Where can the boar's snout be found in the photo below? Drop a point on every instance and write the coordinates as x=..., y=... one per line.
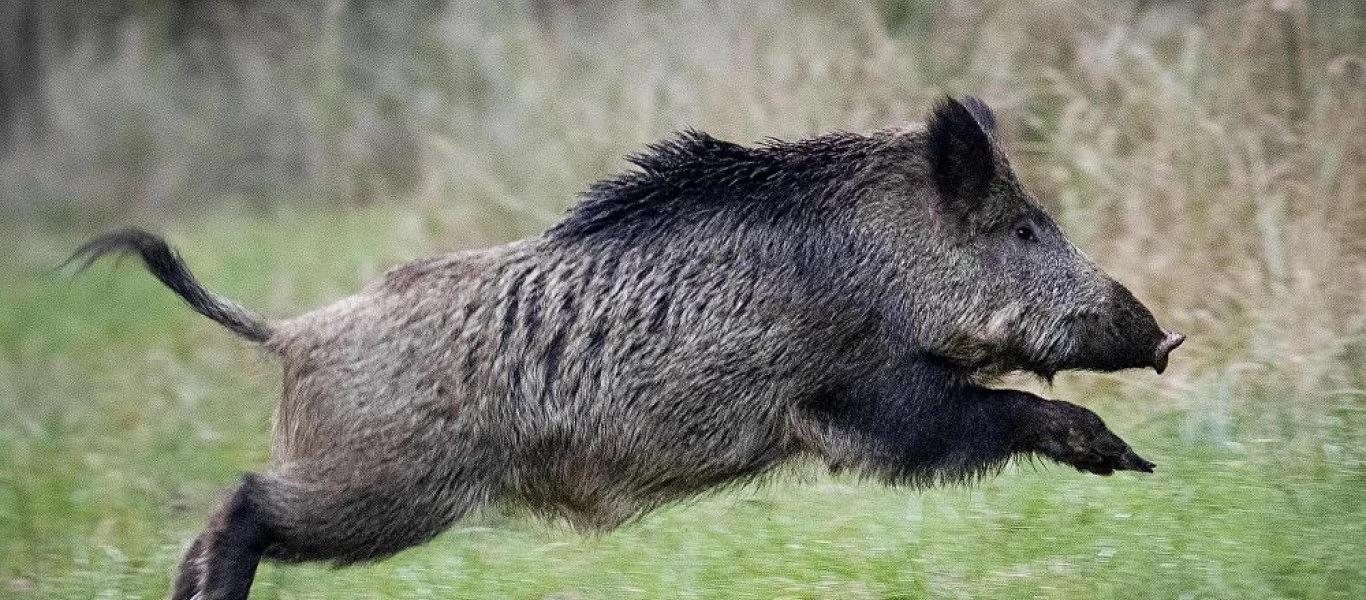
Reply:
x=1150, y=345
x=1147, y=343
x=1169, y=342
x=1122, y=335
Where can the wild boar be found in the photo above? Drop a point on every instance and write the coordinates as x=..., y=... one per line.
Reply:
x=691, y=323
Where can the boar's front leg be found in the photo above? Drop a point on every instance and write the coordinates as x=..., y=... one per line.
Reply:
x=922, y=426
x=1074, y=435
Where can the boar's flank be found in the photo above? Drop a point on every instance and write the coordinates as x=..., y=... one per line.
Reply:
x=691, y=323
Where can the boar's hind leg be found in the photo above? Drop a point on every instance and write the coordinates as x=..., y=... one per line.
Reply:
x=279, y=518
x=221, y=562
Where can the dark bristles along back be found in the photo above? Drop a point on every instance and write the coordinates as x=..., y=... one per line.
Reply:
x=693, y=177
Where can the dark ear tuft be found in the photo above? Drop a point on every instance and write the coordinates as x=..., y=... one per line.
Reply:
x=960, y=148
x=982, y=113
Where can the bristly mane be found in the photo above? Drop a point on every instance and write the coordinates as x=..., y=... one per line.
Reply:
x=693, y=177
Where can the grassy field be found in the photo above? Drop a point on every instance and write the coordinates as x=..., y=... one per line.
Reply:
x=1210, y=154
x=126, y=415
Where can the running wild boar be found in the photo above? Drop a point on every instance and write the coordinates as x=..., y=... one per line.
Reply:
x=695, y=322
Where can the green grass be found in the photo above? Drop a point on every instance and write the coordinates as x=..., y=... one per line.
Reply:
x=123, y=416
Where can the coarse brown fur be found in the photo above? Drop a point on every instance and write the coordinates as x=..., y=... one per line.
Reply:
x=696, y=322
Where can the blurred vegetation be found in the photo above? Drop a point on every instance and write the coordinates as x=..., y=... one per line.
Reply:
x=1211, y=154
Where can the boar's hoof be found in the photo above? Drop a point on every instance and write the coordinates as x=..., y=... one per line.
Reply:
x=1131, y=461
x=1076, y=436
x=1106, y=464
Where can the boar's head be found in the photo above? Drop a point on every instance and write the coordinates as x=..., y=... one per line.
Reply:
x=985, y=278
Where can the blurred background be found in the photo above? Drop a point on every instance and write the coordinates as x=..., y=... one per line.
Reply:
x=1210, y=154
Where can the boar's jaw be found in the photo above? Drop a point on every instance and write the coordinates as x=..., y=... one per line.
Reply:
x=1044, y=345
x=1141, y=356
x=1013, y=339
x=1129, y=339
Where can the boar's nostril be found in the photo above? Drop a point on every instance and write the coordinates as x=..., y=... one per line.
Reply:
x=1164, y=348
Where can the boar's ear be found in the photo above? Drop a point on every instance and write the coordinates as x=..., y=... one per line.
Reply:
x=961, y=156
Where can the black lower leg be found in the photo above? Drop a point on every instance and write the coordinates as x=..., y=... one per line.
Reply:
x=916, y=425
x=230, y=548
x=191, y=571
x=976, y=428
x=920, y=424
x=1075, y=436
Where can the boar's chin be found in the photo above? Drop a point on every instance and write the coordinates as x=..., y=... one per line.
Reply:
x=1122, y=336
x=1120, y=355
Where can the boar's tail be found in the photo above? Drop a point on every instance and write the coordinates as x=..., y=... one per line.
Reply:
x=167, y=266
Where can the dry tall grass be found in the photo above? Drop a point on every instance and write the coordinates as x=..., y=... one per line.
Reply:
x=1211, y=154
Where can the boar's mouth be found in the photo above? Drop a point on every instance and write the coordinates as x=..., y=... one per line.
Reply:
x=1091, y=342
x=1123, y=334
x=1127, y=337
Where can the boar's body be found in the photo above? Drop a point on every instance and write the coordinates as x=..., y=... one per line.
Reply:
x=593, y=373
x=692, y=323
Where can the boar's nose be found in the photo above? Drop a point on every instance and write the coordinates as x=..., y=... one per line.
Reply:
x=1165, y=347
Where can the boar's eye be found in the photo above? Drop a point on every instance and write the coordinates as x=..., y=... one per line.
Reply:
x=1025, y=233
